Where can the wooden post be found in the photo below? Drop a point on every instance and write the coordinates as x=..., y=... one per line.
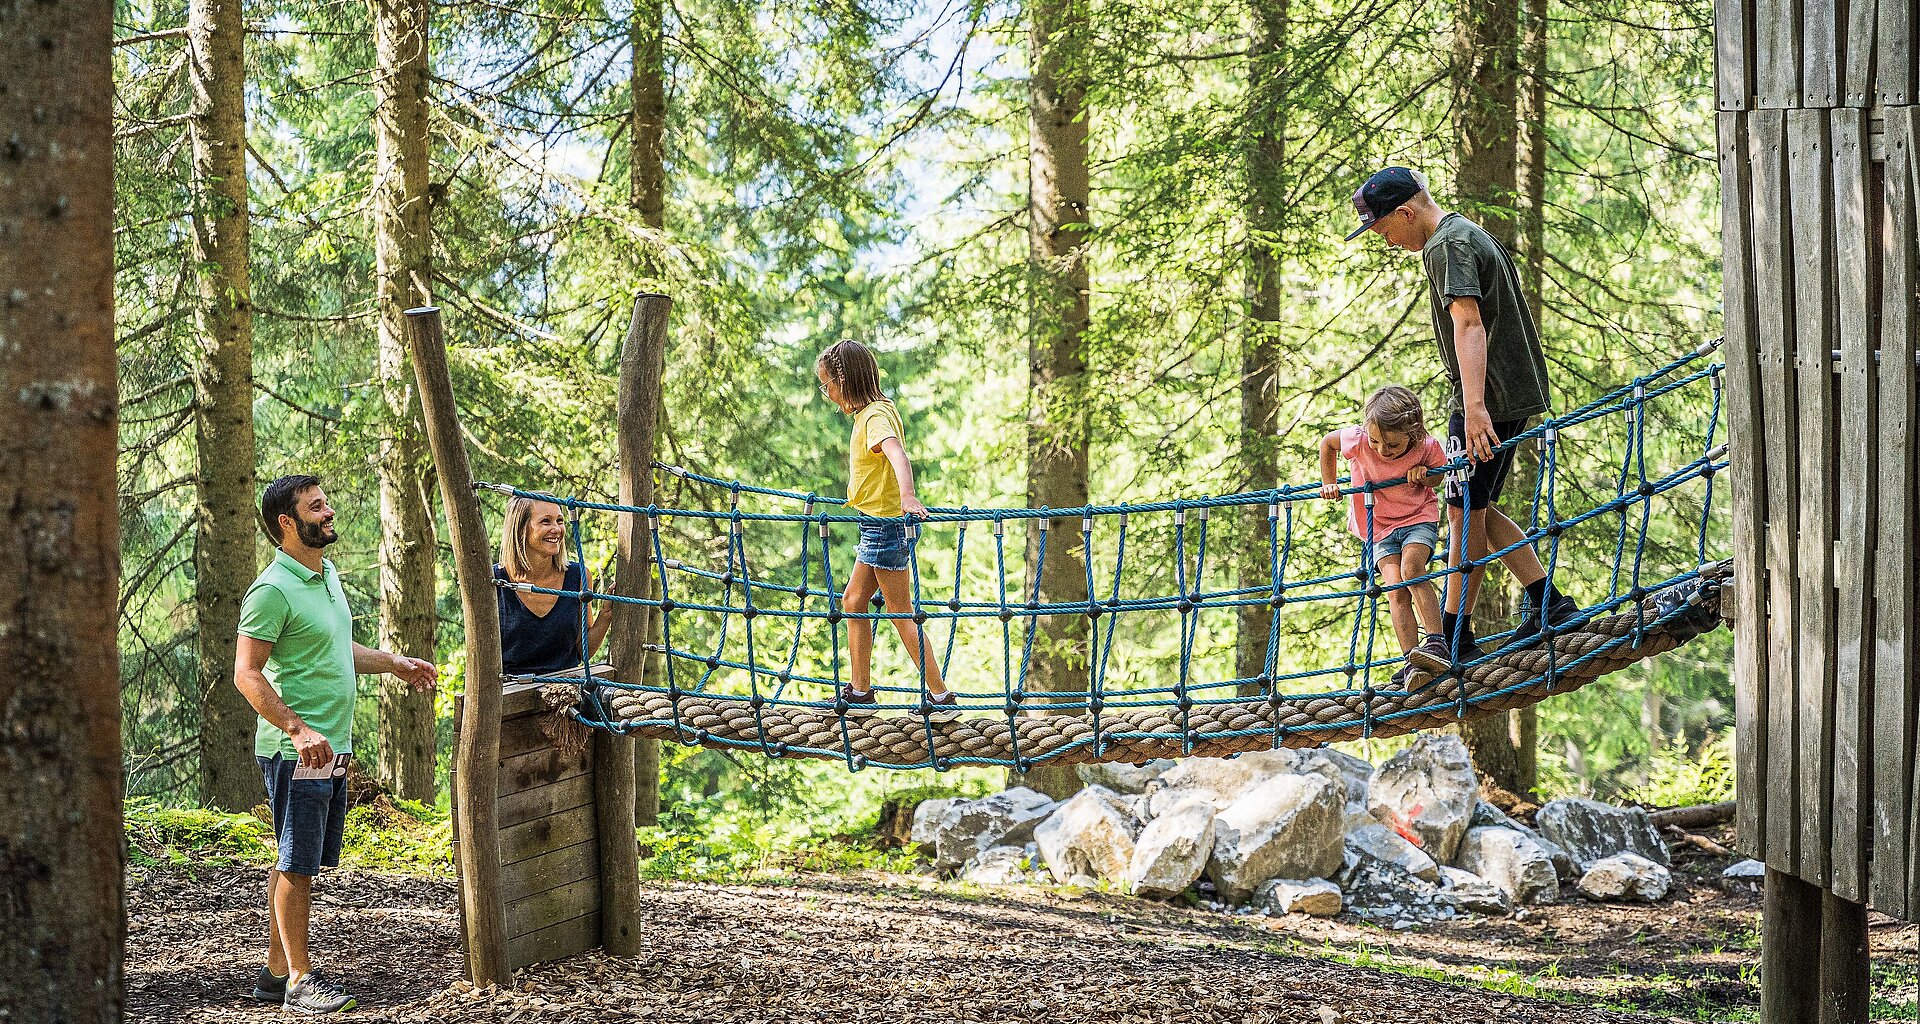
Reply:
x=476, y=760
x=1790, y=950
x=1845, y=984
x=642, y=367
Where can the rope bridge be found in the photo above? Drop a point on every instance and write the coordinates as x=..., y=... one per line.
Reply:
x=761, y=679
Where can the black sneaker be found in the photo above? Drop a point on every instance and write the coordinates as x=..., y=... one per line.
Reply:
x=859, y=703
x=944, y=708
x=1432, y=656
x=269, y=987
x=1560, y=610
x=314, y=994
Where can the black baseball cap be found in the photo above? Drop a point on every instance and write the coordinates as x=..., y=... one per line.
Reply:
x=1384, y=193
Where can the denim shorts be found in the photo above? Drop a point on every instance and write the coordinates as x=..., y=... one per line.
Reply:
x=1414, y=533
x=883, y=545
x=309, y=816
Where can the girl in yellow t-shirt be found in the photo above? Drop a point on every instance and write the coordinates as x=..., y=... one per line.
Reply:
x=879, y=485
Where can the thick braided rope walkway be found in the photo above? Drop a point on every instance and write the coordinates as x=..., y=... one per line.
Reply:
x=1504, y=682
x=741, y=669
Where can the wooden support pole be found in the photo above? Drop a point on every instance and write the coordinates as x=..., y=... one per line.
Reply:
x=1845, y=985
x=1789, y=951
x=642, y=367
x=476, y=759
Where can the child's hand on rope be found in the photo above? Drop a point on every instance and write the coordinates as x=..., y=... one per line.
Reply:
x=912, y=506
x=1330, y=490
x=1417, y=475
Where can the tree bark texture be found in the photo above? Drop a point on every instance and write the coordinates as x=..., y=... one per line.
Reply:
x=1486, y=49
x=476, y=758
x=1057, y=388
x=223, y=549
x=1260, y=349
x=1485, y=74
x=62, y=904
x=403, y=253
x=648, y=190
x=1531, y=150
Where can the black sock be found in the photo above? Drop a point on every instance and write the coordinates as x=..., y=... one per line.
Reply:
x=1452, y=621
x=1541, y=590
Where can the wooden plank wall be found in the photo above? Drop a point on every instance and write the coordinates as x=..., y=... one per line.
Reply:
x=1819, y=146
x=549, y=838
x=1817, y=54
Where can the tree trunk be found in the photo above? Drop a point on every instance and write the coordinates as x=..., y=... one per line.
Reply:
x=1486, y=53
x=223, y=558
x=62, y=902
x=648, y=184
x=1486, y=50
x=403, y=250
x=1532, y=173
x=1057, y=420
x=1260, y=348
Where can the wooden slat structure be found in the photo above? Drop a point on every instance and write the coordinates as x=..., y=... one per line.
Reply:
x=1820, y=179
x=549, y=835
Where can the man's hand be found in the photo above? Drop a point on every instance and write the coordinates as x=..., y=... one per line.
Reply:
x=419, y=673
x=313, y=748
x=1480, y=438
x=911, y=506
x=1330, y=490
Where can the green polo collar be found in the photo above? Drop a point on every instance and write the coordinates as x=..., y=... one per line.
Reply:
x=292, y=565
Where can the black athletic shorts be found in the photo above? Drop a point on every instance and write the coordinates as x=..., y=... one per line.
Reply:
x=1486, y=479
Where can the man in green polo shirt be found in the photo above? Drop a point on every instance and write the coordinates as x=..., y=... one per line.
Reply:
x=296, y=663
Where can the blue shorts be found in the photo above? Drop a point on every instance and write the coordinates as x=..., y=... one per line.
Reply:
x=883, y=545
x=1415, y=533
x=309, y=816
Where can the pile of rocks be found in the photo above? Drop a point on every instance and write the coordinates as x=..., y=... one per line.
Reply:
x=1302, y=831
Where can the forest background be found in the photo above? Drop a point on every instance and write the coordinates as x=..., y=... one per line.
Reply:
x=1095, y=243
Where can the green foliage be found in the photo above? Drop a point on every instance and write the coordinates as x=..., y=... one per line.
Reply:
x=400, y=836
x=1678, y=778
x=168, y=835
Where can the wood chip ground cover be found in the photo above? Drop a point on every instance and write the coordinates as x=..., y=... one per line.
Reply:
x=893, y=948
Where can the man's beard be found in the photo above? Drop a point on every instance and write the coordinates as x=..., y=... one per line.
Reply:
x=316, y=535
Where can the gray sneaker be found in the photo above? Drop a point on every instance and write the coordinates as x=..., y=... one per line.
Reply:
x=269, y=987
x=314, y=994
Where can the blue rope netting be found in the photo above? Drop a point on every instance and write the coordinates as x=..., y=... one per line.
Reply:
x=760, y=644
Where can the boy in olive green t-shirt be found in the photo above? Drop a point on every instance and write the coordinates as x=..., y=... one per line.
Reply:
x=1490, y=348
x=295, y=662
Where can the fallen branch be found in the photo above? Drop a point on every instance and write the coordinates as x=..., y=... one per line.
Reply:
x=1700, y=816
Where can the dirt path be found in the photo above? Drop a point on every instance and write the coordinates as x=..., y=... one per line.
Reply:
x=887, y=948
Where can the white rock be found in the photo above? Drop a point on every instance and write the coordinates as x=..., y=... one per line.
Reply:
x=1355, y=772
x=1428, y=791
x=1286, y=827
x=1356, y=816
x=1091, y=833
x=1485, y=813
x=1125, y=779
x=1218, y=780
x=926, y=823
x=1469, y=891
x=1379, y=890
x=968, y=828
x=1746, y=871
x=1172, y=850
x=1626, y=876
x=1382, y=843
x=1315, y=897
x=1591, y=831
x=1002, y=865
x=1513, y=861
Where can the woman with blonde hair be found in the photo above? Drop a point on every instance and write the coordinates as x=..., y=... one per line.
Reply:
x=540, y=633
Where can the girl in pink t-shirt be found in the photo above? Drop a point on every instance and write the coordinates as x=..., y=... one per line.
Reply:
x=1405, y=524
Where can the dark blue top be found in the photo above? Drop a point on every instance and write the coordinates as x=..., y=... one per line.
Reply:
x=540, y=644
